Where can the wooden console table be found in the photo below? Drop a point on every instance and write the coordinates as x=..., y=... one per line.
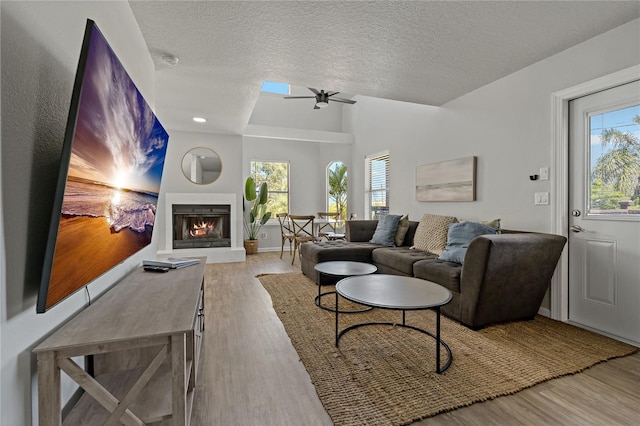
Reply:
x=144, y=335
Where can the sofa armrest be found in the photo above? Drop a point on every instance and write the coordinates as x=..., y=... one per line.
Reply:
x=504, y=277
x=360, y=230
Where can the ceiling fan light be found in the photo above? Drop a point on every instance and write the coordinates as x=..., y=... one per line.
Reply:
x=322, y=104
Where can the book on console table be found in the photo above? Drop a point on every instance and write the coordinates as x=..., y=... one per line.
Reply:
x=172, y=262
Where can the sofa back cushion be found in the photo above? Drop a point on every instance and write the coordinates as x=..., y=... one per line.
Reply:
x=411, y=232
x=360, y=230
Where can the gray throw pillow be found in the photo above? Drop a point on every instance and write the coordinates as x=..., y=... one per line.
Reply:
x=459, y=237
x=386, y=230
x=403, y=227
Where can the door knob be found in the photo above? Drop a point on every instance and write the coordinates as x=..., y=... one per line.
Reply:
x=576, y=228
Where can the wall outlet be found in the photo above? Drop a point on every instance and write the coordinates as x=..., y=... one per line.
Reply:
x=541, y=199
x=263, y=235
x=544, y=173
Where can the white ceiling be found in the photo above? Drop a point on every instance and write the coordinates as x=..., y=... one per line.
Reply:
x=427, y=52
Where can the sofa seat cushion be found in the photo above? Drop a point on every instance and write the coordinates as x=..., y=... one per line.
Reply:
x=325, y=251
x=400, y=259
x=447, y=274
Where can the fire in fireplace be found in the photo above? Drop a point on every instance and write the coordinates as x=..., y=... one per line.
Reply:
x=201, y=226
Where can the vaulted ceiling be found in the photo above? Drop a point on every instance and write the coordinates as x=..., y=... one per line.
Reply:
x=427, y=52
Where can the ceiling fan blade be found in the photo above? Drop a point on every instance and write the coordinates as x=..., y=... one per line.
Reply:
x=313, y=90
x=316, y=107
x=332, y=93
x=344, y=101
x=299, y=97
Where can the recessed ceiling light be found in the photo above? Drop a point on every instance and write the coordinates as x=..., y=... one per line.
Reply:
x=199, y=120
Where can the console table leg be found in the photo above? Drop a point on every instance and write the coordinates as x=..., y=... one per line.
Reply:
x=178, y=375
x=49, y=413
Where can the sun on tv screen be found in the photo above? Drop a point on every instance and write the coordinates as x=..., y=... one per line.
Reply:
x=110, y=171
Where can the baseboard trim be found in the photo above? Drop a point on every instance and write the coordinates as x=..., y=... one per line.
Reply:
x=545, y=312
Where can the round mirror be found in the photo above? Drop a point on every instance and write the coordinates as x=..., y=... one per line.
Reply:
x=201, y=165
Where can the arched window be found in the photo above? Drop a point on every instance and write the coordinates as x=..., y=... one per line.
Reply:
x=337, y=188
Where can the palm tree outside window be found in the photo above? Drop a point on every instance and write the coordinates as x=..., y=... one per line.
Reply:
x=337, y=189
x=615, y=162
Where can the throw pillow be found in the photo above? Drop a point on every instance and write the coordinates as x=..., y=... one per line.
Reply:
x=386, y=230
x=431, y=234
x=403, y=227
x=495, y=223
x=460, y=236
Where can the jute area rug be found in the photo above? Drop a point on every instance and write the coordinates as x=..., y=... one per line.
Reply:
x=385, y=375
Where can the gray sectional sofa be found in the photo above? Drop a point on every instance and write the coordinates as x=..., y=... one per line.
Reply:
x=503, y=277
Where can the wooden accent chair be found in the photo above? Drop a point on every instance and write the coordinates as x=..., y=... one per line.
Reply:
x=303, y=228
x=286, y=232
x=328, y=229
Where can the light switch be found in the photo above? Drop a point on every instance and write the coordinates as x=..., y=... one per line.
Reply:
x=544, y=173
x=541, y=199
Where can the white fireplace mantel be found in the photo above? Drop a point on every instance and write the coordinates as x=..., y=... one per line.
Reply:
x=235, y=253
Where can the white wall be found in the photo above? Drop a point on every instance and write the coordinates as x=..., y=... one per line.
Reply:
x=40, y=50
x=506, y=124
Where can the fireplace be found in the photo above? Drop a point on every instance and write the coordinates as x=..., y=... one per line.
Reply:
x=201, y=225
x=229, y=226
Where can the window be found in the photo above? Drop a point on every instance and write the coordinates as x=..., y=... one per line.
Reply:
x=614, y=163
x=376, y=202
x=276, y=174
x=337, y=188
x=277, y=88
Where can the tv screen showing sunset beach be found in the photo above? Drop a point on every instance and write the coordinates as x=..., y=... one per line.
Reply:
x=114, y=172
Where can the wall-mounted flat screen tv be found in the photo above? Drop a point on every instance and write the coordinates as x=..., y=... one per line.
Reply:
x=110, y=171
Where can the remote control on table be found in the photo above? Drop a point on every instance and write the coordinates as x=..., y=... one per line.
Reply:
x=156, y=269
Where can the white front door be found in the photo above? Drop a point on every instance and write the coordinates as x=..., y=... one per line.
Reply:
x=604, y=211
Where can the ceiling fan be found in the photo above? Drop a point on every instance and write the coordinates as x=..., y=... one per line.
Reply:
x=322, y=98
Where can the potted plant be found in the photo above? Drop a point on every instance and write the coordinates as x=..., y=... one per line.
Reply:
x=257, y=215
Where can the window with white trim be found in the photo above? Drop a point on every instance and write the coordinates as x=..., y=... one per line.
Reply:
x=376, y=203
x=276, y=174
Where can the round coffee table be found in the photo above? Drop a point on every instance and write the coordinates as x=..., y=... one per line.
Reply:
x=396, y=293
x=342, y=268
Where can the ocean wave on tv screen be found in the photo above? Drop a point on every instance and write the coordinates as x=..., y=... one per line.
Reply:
x=122, y=209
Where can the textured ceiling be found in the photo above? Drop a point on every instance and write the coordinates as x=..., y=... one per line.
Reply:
x=427, y=52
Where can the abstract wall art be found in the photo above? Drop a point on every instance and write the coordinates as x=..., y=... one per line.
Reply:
x=453, y=180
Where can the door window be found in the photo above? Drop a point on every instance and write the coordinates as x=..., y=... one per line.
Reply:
x=614, y=162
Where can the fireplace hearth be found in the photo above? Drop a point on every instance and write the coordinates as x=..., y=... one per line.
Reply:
x=201, y=226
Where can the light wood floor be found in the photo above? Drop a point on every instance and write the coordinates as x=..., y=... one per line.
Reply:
x=250, y=373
